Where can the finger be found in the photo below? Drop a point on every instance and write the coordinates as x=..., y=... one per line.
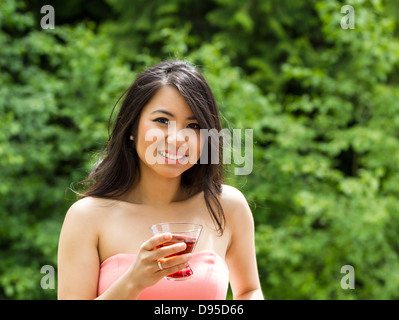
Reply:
x=175, y=261
x=156, y=240
x=167, y=271
x=169, y=250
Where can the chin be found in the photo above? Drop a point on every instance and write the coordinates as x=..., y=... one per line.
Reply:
x=169, y=172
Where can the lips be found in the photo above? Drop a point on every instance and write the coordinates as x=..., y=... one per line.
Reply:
x=172, y=156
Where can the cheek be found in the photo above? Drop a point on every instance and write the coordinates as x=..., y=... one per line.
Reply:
x=196, y=149
x=144, y=128
x=196, y=146
x=200, y=146
x=203, y=140
x=148, y=136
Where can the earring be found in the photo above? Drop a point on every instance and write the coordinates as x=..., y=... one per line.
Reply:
x=131, y=138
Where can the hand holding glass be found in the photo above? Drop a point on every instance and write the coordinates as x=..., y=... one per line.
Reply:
x=181, y=232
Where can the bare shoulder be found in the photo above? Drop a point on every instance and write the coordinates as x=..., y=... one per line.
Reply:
x=88, y=206
x=86, y=212
x=239, y=218
x=234, y=204
x=80, y=230
x=240, y=252
x=78, y=259
x=232, y=197
x=231, y=192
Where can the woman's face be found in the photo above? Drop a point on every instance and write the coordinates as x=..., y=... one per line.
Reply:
x=168, y=138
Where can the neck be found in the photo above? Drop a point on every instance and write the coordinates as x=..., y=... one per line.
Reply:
x=153, y=189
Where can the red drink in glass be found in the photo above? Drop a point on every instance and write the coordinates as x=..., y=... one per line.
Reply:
x=190, y=243
x=181, y=232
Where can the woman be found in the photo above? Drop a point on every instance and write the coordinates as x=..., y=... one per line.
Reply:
x=106, y=249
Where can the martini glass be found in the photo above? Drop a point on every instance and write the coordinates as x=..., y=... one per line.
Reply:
x=181, y=232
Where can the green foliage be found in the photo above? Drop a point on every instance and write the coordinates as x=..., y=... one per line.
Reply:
x=57, y=87
x=322, y=103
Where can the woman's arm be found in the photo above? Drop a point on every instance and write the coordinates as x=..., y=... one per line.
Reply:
x=78, y=258
x=241, y=256
x=79, y=262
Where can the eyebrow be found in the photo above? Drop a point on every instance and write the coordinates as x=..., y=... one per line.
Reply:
x=170, y=114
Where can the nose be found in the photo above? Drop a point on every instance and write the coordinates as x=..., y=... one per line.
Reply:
x=176, y=136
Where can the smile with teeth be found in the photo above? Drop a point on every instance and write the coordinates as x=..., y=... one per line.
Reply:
x=171, y=156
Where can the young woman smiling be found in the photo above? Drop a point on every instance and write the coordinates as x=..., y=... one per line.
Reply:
x=106, y=249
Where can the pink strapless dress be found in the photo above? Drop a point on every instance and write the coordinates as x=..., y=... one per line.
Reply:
x=209, y=281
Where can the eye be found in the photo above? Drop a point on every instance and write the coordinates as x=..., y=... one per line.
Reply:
x=194, y=126
x=162, y=120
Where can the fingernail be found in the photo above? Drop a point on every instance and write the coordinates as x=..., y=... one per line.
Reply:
x=167, y=236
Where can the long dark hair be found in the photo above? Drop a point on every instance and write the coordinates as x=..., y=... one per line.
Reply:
x=118, y=169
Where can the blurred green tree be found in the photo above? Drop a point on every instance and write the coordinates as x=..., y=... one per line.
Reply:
x=57, y=87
